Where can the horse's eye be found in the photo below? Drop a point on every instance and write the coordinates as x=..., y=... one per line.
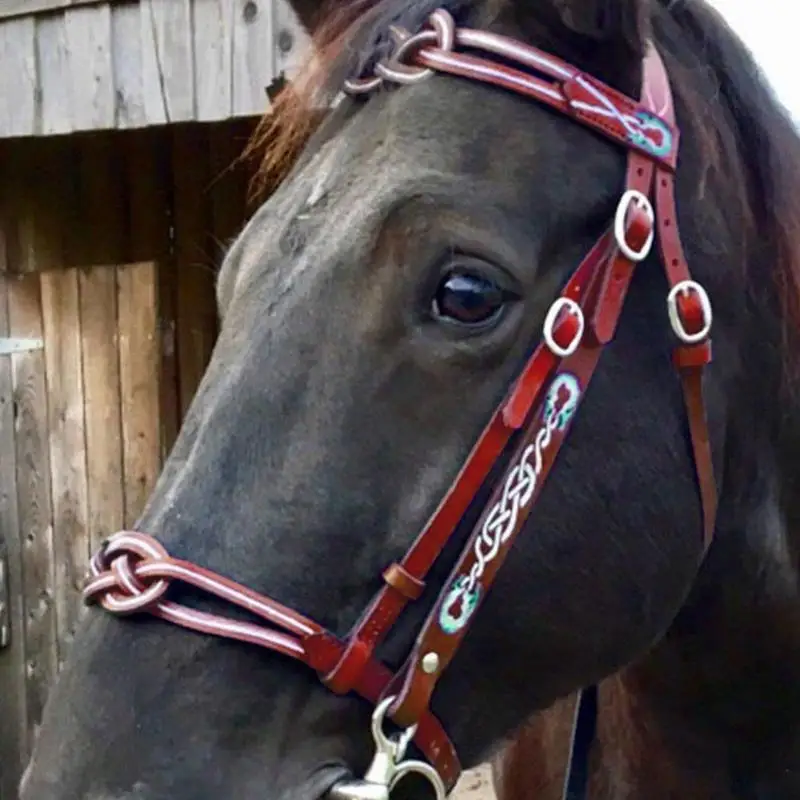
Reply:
x=469, y=298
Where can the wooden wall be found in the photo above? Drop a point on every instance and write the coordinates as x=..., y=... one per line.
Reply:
x=69, y=67
x=108, y=245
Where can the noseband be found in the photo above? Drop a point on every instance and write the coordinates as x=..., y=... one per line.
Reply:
x=132, y=571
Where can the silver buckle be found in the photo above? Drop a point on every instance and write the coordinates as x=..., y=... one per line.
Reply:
x=569, y=305
x=388, y=767
x=685, y=288
x=619, y=225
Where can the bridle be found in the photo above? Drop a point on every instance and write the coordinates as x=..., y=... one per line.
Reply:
x=132, y=571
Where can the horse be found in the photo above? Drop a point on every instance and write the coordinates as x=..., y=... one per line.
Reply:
x=512, y=232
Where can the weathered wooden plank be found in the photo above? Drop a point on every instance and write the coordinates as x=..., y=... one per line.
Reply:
x=60, y=314
x=101, y=200
x=138, y=354
x=101, y=380
x=33, y=495
x=196, y=310
x=23, y=8
x=103, y=207
x=52, y=51
x=167, y=64
x=38, y=214
x=148, y=168
x=253, y=63
x=90, y=75
x=13, y=706
x=213, y=57
x=291, y=43
x=18, y=77
x=129, y=78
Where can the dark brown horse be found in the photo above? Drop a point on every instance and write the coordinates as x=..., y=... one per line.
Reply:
x=374, y=312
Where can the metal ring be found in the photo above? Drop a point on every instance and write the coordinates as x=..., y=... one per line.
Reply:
x=361, y=85
x=396, y=747
x=572, y=307
x=684, y=288
x=396, y=69
x=619, y=224
x=426, y=771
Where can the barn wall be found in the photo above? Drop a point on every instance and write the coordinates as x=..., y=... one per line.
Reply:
x=107, y=255
x=134, y=63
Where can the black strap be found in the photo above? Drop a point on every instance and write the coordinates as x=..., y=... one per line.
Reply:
x=576, y=783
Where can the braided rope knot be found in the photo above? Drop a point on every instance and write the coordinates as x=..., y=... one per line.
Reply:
x=118, y=579
x=399, y=67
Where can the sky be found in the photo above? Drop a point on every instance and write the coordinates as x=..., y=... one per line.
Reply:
x=774, y=44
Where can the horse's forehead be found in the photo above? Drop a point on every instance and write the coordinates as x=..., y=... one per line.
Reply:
x=400, y=144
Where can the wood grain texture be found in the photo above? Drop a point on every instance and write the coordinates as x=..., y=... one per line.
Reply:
x=18, y=78
x=136, y=63
x=102, y=174
x=65, y=403
x=213, y=57
x=129, y=78
x=23, y=8
x=13, y=705
x=139, y=371
x=55, y=86
x=196, y=305
x=33, y=495
x=90, y=78
x=101, y=382
x=148, y=167
x=253, y=56
x=167, y=64
x=292, y=42
x=40, y=215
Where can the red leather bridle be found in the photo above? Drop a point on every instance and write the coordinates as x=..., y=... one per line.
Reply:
x=132, y=571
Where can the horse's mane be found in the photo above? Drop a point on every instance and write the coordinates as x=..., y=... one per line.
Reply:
x=352, y=35
x=750, y=136
x=768, y=144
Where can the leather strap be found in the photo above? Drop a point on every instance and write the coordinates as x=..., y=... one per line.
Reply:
x=504, y=517
x=474, y=574
x=133, y=572
x=690, y=359
x=508, y=418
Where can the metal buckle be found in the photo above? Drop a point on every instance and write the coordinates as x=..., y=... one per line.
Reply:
x=387, y=768
x=619, y=225
x=550, y=320
x=685, y=288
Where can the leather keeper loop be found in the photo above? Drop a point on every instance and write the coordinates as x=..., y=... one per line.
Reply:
x=403, y=582
x=692, y=356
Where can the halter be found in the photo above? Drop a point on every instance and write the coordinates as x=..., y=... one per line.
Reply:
x=132, y=571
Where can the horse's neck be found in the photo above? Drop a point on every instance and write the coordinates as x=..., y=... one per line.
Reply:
x=714, y=710
x=711, y=712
